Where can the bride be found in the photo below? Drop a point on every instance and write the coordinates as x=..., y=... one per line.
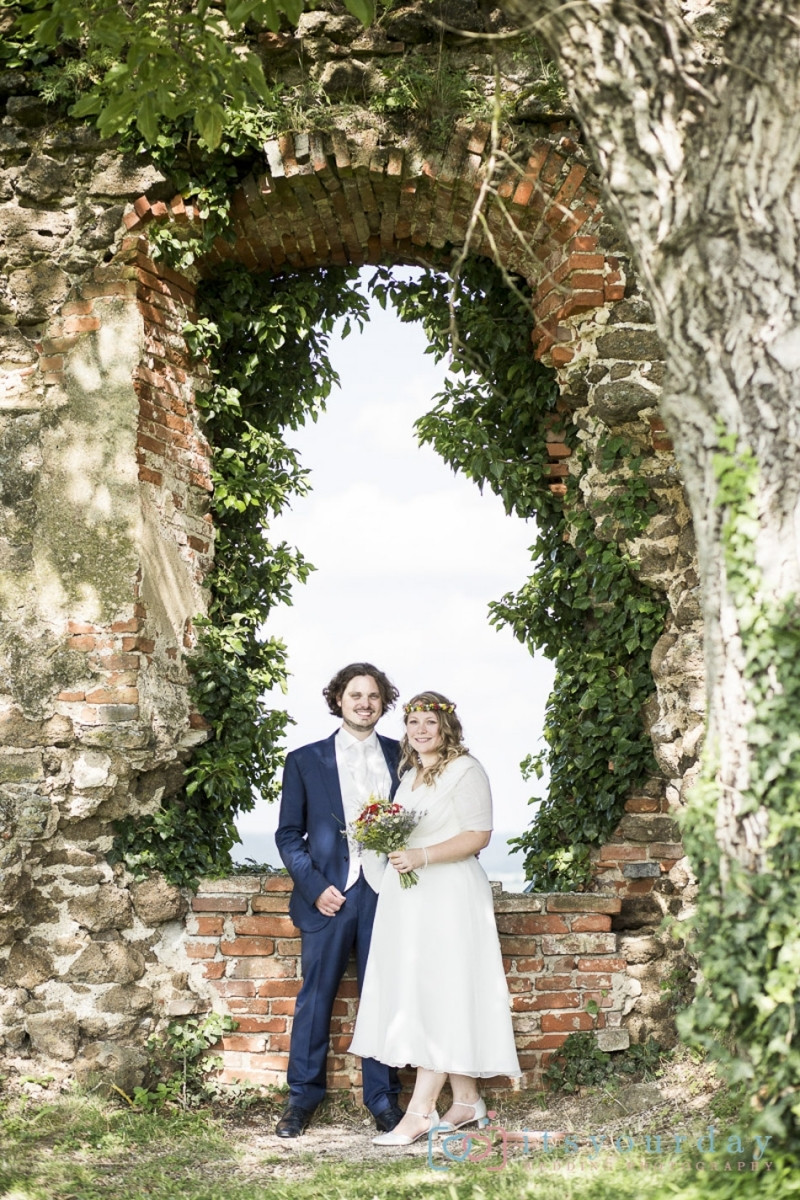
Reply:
x=434, y=993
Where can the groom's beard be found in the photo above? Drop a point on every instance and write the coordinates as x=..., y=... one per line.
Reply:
x=368, y=724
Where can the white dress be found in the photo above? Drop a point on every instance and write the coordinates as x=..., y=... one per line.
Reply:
x=434, y=992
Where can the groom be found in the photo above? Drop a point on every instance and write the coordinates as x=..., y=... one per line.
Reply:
x=325, y=786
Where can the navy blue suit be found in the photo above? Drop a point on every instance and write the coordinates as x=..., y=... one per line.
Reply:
x=310, y=839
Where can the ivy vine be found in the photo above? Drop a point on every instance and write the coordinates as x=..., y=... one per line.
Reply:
x=583, y=604
x=265, y=341
x=266, y=345
x=747, y=1010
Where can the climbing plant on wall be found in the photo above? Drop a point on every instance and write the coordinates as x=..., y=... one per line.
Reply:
x=582, y=605
x=265, y=342
x=746, y=1014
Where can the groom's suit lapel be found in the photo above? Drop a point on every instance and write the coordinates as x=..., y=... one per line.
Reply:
x=330, y=776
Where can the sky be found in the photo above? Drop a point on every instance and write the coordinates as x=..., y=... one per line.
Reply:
x=408, y=557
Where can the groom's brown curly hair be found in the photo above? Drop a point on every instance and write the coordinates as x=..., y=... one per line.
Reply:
x=334, y=689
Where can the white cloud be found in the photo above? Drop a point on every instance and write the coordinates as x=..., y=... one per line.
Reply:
x=373, y=532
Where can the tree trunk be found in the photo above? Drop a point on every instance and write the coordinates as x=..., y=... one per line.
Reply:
x=699, y=157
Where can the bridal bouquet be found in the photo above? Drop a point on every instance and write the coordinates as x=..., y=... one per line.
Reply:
x=385, y=826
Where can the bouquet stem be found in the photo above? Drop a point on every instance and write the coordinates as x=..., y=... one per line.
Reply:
x=408, y=879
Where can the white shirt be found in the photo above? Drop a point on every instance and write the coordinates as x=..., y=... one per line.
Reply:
x=363, y=772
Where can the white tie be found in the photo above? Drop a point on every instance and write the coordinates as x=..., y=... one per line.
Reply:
x=372, y=864
x=359, y=769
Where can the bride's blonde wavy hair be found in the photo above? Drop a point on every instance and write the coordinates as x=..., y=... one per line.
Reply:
x=452, y=745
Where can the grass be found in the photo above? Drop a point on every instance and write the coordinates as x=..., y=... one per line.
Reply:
x=77, y=1147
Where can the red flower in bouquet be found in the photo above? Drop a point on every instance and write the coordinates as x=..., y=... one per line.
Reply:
x=384, y=826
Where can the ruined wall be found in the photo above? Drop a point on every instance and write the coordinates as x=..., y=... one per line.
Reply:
x=104, y=482
x=95, y=591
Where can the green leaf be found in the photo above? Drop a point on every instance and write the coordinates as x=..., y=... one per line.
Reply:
x=363, y=9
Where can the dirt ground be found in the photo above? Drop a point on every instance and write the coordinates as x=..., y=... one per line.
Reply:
x=676, y=1104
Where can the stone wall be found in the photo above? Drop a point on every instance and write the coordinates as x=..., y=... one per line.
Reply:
x=104, y=478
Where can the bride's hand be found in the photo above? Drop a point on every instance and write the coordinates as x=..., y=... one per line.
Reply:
x=406, y=860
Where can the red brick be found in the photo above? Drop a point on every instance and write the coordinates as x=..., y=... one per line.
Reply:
x=82, y=627
x=620, y=852
x=247, y=1043
x=235, y=988
x=532, y=923
x=596, y=923
x=547, y=1041
x=201, y=949
x=145, y=645
x=221, y=904
x=151, y=476
x=550, y=1000
x=602, y=964
x=247, y=1006
x=286, y=1007
x=277, y=883
x=267, y=1064
x=132, y=625
x=570, y=1022
x=517, y=945
x=208, y=926
x=522, y=1004
x=248, y=946
x=253, y=967
x=281, y=1041
x=639, y=887
x=272, y=925
x=553, y=983
x=71, y=697
x=261, y=1024
x=290, y=947
x=557, y=965
x=591, y=982
x=81, y=324
x=526, y=966
x=83, y=642
x=253, y=926
x=215, y=970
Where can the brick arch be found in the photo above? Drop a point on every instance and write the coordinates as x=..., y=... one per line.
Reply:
x=329, y=199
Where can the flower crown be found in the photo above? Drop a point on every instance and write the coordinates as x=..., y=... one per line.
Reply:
x=433, y=706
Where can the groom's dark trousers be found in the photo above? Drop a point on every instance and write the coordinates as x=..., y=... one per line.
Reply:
x=311, y=843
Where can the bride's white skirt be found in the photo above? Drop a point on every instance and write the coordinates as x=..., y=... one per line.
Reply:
x=435, y=992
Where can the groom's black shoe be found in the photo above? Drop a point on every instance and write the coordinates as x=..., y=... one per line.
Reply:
x=293, y=1121
x=387, y=1118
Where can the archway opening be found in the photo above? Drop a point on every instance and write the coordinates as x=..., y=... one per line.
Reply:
x=409, y=555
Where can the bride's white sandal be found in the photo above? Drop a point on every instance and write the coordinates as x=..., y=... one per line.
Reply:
x=479, y=1115
x=392, y=1138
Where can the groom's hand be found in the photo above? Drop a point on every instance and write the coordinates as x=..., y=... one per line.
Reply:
x=330, y=901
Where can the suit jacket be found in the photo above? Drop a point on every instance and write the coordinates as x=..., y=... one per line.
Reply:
x=310, y=836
